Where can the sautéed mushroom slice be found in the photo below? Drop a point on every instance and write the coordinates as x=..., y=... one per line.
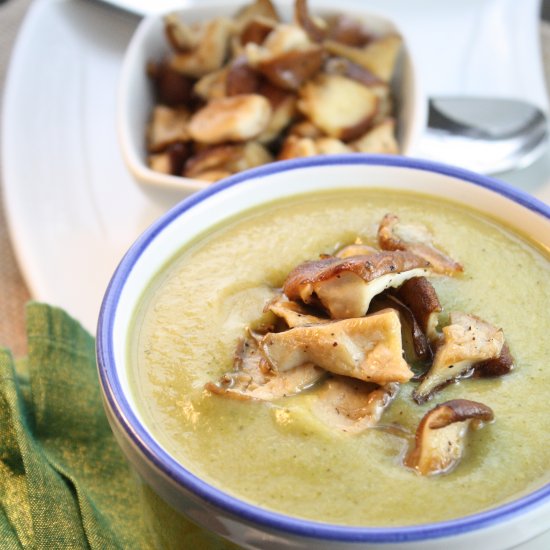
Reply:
x=378, y=56
x=287, y=57
x=468, y=340
x=203, y=49
x=236, y=118
x=340, y=106
x=420, y=297
x=441, y=434
x=346, y=286
x=366, y=348
x=259, y=9
x=351, y=405
x=293, y=313
x=394, y=235
x=416, y=347
x=252, y=377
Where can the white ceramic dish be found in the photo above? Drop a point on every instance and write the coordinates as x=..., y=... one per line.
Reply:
x=135, y=94
x=502, y=527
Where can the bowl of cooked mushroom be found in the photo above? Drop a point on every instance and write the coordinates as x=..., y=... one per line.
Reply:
x=217, y=88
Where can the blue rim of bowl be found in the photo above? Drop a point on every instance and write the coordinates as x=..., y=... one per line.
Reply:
x=156, y=455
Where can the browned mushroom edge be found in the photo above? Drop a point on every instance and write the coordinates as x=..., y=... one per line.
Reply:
x=256, y=9
x=241, y=78
x=256, y=30
x=345, y=67
x=350, y=405
x=299, y=284
x=416, y=348
x=389, y=240
x=438, y=449
x=367, y=348
x=253, y=379
x=499, y=366
x=294, y=314
x=347, y=30
x=313, y=28
x=419, y=295
x=291, y=69
x=467, y=341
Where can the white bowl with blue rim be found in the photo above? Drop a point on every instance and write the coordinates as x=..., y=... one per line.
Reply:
x=504, y=526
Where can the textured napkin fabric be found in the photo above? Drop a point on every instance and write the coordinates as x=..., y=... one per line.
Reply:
x=64, y=483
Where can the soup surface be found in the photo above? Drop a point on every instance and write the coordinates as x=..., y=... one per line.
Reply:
x=277, y=455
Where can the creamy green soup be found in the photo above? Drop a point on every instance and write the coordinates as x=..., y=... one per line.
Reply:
x=278, y=455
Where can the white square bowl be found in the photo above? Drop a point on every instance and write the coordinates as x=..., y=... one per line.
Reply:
x=136, y=94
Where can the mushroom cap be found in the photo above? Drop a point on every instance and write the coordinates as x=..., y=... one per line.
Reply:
x=340, y=106
x=378, y=139
x=367, y=348
x=168, y=125
x=251, y=377
x=209, y=51
x=439, y=441
x=378, y=56
x=419, y=295
x=294, y=314
x=466, y=341
x=394, y=235
x=289, y=70
x=345, y=286
x=237, y=118
x=352, y=405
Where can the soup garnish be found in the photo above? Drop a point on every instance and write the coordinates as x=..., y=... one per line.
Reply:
x=339, y=327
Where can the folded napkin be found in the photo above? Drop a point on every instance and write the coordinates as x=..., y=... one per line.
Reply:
x=64, y=483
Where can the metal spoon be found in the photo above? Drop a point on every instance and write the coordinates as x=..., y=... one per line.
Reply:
x=485, y=134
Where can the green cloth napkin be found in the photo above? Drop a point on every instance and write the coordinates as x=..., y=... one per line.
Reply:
x=64, y=483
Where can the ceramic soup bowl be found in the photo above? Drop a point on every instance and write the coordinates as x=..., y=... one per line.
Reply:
x=498, y=525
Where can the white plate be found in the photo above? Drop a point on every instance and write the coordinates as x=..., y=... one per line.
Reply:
x=73, y=209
